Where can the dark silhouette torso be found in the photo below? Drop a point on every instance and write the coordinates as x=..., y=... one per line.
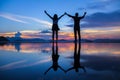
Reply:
x=55, y=25
x=76, y=23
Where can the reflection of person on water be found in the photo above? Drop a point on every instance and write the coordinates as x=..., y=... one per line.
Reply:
x=76, y=64
x=17, y=46
x=55, y=58
x=55, y=27
x=77, y=19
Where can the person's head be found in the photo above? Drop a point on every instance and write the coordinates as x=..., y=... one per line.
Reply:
x=77, y=70
x=55, y=16
x=76, y=14
x=55, y=68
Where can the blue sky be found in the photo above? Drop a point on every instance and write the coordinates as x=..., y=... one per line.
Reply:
x=28, y=17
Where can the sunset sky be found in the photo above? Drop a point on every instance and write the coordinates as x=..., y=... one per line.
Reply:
x=28, y=17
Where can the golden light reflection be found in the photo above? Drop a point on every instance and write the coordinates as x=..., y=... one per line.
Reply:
x=29, y=48
x=8, y=47
x=101, y=48
x=37, y=47
x=64, y=48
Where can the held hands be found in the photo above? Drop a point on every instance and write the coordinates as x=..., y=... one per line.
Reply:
x=65, y=13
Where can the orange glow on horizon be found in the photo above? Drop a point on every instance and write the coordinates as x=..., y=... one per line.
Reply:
x=86, y=34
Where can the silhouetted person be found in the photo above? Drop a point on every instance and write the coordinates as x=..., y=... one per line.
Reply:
x=76, y=64
x=55, y=27
x=77, y=19
x=55, y=58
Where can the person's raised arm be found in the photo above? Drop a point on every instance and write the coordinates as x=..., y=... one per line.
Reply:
x=47, y=70
x=69, y=15
x=70, y=69
x=84, y=15
x=83, y=68
x=61, y=68
x=61, y=16
x=48, y=14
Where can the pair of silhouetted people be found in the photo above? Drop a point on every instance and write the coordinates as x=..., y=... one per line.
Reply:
x=55, y=58
x=76, y=18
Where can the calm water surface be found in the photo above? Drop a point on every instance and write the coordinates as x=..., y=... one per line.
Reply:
x=47, y=61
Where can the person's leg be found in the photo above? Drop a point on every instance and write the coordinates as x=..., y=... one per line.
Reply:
x=79, y=35
x=79, y=49
x=53, y=36
x=75, y=36
x=56, y=36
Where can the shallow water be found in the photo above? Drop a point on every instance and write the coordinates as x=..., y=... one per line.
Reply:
x=30, y=61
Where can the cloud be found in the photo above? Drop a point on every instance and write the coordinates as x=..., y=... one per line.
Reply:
x=11, y=17
x=35, y=20
x=97, y=6
x=69, y=25
x=45, y=31
x=109, y=0
x=102, y=5
x=103, y=19
x=29, y=31
x=24, y=19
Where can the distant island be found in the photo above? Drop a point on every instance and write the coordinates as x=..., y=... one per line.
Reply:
x=18, y=39
x=3, y=40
